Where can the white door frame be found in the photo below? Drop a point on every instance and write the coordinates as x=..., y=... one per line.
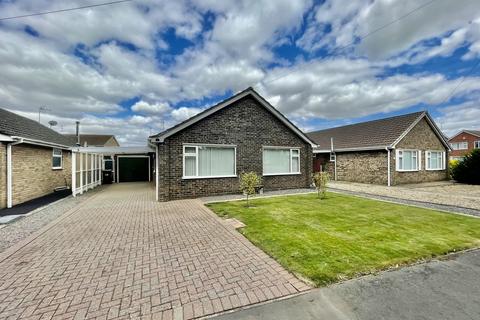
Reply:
x=133, y=156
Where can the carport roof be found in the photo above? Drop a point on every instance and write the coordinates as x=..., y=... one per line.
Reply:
x=115, y=150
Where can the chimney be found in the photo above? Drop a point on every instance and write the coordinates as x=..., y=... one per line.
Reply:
x=77, y=131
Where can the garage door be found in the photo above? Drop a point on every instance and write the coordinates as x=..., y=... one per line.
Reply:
x=132, y=169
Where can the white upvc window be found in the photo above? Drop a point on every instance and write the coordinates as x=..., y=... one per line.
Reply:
x=281, y=161
x=57, y=159
x=476, y=144
x=434, y=160
x=209, y=161
x=459, y=145
x=107, y=163
x=408, y=160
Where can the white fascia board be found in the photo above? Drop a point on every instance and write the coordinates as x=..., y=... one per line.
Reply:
x=41, y=143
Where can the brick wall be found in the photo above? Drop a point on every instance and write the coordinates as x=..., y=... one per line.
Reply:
x=245, y=124
x=32, y=172
x=423, y=138
x=3, y=175
x=363, y=167
x=463, y=137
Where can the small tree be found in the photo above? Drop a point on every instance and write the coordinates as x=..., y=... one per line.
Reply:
x=320, y=180
x=249, y=182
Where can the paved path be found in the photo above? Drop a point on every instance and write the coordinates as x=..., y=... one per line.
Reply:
x=436, y=290
x=121, y=255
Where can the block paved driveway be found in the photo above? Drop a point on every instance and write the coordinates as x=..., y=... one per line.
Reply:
x=121, y=255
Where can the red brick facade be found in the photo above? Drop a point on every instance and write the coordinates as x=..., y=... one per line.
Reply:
x=463, y=137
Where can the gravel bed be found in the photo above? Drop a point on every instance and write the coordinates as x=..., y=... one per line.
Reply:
x=441, y=193
x=233, y=197
x=21, y=228
x=428, y=205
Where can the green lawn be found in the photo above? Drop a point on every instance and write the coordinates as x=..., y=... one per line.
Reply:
x=344, y=236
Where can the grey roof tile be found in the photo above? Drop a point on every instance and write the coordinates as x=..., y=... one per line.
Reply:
x=12, y=124
x=376, y=133
x=91, y=139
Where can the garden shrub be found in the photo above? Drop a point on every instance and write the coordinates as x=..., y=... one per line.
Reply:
x=468, y=170
x=320, y=180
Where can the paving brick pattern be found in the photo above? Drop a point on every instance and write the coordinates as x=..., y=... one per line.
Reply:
x=121, y=255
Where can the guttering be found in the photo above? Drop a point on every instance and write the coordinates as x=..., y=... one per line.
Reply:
x=370, y=148
x=41, y=143
x=9, y=172
x=5, y=138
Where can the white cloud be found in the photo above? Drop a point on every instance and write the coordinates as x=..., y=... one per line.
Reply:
x=184, y=113
x=339, y=88
x=348, y=21
x=152, y=108
x=458, y=117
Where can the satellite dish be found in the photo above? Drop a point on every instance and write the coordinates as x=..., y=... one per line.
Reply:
x=52, y=123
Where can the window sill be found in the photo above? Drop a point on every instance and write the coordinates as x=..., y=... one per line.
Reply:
x=209, y=177
x=435, y=169
x=57, y=168
x=398, y=170
x=281, y=174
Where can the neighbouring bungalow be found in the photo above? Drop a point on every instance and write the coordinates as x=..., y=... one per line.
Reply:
x=205, y=154
x=93, y=140
x=464, y=142
x=398, y=150
x=34, y=160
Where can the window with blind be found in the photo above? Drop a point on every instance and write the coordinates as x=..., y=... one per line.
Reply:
x=408, y=160
x=434, y=160
x=209, y=161
x=281, y=161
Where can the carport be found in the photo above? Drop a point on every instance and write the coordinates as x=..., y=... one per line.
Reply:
x=126, y=164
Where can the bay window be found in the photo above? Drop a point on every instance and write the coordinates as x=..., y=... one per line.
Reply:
x=209, y=161
x=281, y=161
x=434, y=160
x=408, y=160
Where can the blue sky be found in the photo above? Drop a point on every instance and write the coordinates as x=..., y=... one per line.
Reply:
x=133, y=69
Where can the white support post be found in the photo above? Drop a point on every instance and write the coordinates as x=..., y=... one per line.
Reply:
x=81, y=173
x=156, y=172
x=92, y=156
x=96, y=170
x=74, y=173
x=9, y=176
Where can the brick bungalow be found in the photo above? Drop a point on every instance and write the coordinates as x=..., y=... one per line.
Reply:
x=205, y=154
x=34, y=160
x=402, y=149
x=464, y=142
